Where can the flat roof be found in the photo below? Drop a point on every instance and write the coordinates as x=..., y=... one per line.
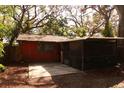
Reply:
x=52, y=38
x=109, y=38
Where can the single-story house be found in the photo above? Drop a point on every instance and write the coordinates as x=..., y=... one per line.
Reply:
x=82, y=53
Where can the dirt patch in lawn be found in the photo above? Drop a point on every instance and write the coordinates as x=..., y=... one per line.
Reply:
x=17, y=76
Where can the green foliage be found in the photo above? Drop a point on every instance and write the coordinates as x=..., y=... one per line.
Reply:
x=58, y=27
x=57, y=24
x=6, y=9
x=80, y=31
x=7, y=23
x=54, y=26
x=5, y=30
x=108, y=31
x=2, y=30
x=1, y=49
x=2, y=68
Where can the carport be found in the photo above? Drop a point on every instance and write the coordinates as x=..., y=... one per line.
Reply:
x=80, y=53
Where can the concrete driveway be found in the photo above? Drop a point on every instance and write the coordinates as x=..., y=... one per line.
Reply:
x=37, y=70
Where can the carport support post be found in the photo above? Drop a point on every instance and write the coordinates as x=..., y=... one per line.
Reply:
x=61, y=53
x=116, y=50
x=82, y=55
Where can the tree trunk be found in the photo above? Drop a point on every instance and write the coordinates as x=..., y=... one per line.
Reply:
x=14, y=36
x=120, y=10
x=15, y=33
x=8, y=52
x=106, y=24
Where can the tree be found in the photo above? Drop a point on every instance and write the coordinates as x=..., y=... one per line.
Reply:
x=6, y=25
x=120, y=11
x=6, y=22
x=25, y=17
x=56, y=23
x=96, y=24
x=28, y=17
x=77, y=18
x=5, y=12
x=106, y=12
x=76, y=14
x=54, y=19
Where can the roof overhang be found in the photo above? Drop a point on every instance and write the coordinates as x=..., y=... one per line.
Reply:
x=52, y=38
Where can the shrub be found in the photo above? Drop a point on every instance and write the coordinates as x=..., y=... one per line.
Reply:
x=2, y=68
x=108, y=32
x=80, y=31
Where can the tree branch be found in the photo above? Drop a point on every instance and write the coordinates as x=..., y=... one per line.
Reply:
x=95, y=28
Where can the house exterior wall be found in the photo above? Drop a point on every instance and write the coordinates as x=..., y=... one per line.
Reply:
x=32, y=52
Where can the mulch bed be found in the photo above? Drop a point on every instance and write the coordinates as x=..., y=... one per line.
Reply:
x=16, y=76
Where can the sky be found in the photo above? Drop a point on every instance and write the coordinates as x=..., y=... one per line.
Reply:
x=62, y=2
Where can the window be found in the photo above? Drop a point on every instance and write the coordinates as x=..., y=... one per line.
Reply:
x=44, y=47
